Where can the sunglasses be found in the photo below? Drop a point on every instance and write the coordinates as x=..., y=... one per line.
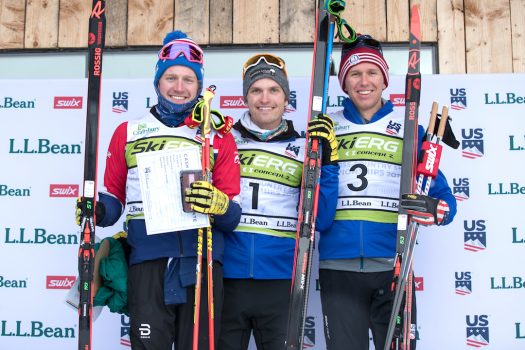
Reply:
x=189, y=49
x=266, y=57
x=362, y=41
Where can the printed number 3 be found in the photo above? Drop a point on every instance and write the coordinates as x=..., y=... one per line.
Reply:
x=360, y=176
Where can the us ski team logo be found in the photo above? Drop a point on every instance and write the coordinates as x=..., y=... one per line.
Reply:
x=309, y=332
x=463, y=283
x=292, y=151
x=475, y=237
x=393, y=128
x=461, y=188
x=124, y=331
x=472, y=144
x=458, y=99
x=292, y=103
x=120, y=102
x=477, y=330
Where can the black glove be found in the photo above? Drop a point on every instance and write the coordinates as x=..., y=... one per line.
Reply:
x=322, y=128
x=425, y=210
x=206, y=198
x=100, y=211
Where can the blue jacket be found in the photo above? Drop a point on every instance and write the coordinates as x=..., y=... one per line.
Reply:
x=348, y=239
x=261, y=256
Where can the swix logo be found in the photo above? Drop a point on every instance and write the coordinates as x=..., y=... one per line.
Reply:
x=431, y=156
x=463, y=283
x=68, y=102
x=458, y=99
x=60, y=190
x=232, y=102
x=431, y=159
x=475, y=238
x=461, y=188
x=477, y=330
x=397, y=99
x=419, y=283
x=60, y=282
x=472, y=143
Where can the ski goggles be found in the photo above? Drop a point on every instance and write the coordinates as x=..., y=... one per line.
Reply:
x=266, y=57
x=188, y=48
x=363, y=41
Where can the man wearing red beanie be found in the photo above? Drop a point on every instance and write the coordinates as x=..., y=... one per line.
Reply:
x=357, y=251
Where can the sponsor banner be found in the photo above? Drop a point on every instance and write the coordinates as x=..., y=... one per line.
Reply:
x=459, y=269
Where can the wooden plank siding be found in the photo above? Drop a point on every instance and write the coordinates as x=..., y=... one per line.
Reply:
x=12, y=23
x=41, y=24
x=472, y=36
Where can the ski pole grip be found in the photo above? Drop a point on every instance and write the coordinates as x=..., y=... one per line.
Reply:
x=443, y=122
x=433, y=117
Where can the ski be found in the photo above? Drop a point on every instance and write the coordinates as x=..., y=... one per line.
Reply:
x=405, y=230
x=86, y=253
x=305, y=234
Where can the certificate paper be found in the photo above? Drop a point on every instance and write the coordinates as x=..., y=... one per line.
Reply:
x=159, y=176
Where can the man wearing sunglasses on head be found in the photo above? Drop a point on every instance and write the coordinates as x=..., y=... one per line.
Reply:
x=259, y=254
x=161, y=274
x=357, y=251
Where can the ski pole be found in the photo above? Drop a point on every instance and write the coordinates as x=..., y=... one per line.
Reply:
x=209, y=93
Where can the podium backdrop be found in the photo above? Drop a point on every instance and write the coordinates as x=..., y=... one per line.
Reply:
x=470, y=274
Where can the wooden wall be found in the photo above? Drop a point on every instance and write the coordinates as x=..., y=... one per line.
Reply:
x=473, y=36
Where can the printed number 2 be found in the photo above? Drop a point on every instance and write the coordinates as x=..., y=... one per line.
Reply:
x=255, y=194
x=360, y=176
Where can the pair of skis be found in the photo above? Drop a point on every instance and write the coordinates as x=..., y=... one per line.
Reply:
x=402, y=267
x=401, y=330
x=327, y=15
x=401, y=327
x=86, y=253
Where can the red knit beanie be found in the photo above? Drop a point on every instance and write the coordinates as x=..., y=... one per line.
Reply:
x=359, y=55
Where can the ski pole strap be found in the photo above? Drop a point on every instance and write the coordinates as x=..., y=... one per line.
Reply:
x=335, y=7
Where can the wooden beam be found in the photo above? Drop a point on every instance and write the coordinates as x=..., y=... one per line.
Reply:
x=41, y=27
x=73, y=23
x=221, y=21
x=517, y=14
x=193, y=18
x=397, y=14
x=297, y=21
x=488, y=36
x=116, y=22
x=367, y=17
x=451, y=37
x=149, y=21
x=12, y=13
x=255, y=21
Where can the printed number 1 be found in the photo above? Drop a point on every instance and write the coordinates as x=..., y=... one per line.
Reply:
x=255, y=194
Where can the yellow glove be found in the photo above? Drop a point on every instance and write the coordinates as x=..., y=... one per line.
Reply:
x=206, y=198
x=322, y=128
x=80, y=210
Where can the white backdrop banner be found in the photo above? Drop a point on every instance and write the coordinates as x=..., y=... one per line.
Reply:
x=470, y=274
